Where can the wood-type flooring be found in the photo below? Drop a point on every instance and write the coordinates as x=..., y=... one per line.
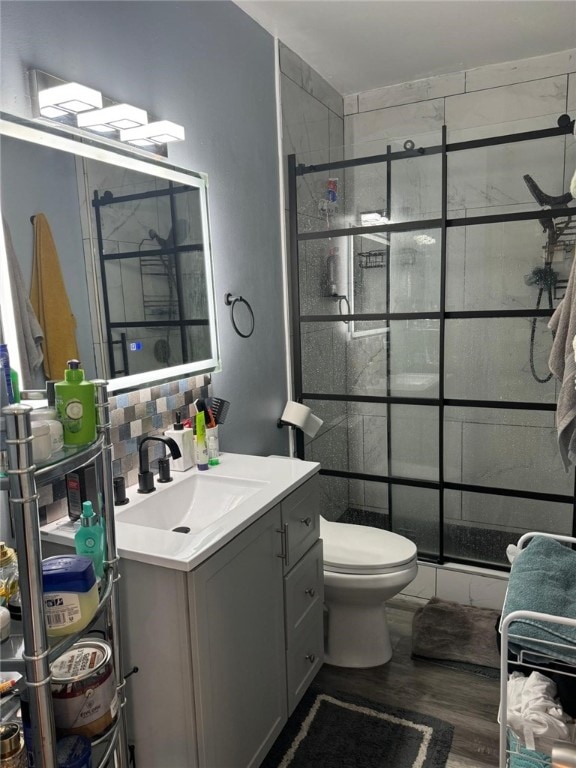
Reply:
x=467, y=701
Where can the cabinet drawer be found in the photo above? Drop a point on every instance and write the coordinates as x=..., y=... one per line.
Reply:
x=304, y=588
x=304, y=656
x=300, y=515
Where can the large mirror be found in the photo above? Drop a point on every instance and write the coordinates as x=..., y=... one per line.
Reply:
x=110, y=250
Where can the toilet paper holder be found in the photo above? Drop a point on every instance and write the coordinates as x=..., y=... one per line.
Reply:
x=299, y=416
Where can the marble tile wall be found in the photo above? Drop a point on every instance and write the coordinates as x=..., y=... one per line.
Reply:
x=313, y=129
x=487, y=269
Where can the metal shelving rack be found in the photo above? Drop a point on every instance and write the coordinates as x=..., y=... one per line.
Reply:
x=510, y=743
x=31, y=653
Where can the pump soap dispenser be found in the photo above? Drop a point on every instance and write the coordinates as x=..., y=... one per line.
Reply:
x=89, y=538
x=184, y=438
x=76, y=406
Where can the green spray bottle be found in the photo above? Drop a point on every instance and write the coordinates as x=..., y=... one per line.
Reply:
x=89, y=538
x=76, y=406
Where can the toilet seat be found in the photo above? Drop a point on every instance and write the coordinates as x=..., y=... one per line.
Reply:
x=363, y=550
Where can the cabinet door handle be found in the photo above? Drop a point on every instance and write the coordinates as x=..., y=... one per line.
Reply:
x=310, y=657
x=284, y=539
x=307, y=521
x=310, y=591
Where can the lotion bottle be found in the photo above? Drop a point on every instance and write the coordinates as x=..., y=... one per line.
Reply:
x=200, y=442
x=76, y=406
x=89, y=538
x=184, y=438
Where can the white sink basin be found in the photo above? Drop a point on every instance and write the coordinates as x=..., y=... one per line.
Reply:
x=190, y=505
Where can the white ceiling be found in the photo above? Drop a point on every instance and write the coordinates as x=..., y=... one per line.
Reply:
x=357, y=45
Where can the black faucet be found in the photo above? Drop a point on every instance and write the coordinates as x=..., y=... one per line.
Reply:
x=145, y=476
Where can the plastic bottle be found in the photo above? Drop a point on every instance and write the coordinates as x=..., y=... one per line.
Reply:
x=5, y=372
x=184, y=438
x=49, y=414
x=89, y=538
x=76, y=406
x=200, y=442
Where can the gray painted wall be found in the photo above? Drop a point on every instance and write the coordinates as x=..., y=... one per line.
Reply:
x=209, y=67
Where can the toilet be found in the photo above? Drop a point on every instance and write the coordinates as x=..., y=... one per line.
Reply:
x=363, y=568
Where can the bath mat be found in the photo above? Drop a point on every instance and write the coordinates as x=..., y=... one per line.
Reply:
x=457, y=636
x=343, y=731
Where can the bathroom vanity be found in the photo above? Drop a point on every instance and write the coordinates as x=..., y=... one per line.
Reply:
x=225, y=623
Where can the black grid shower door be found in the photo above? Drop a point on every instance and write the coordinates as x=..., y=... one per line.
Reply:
x=420, y=338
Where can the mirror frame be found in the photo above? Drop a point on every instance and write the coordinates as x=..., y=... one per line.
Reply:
x=113, y=153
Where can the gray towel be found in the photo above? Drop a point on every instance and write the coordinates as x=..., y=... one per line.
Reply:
x=563, y=366
x=29, y=333
x=543, y=579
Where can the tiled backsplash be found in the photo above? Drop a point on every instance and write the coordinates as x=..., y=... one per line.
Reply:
x=148, y=411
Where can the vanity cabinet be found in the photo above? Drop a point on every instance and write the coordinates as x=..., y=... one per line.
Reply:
x=226, y=650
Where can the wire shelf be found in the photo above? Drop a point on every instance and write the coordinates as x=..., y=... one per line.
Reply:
x=371, y=259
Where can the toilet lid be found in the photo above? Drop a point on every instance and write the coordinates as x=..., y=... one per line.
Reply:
x=360, y=548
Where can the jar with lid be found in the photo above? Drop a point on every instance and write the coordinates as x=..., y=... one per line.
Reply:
x=12, y=750
x=8, y=573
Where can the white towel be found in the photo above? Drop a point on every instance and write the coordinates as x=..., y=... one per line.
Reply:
x=533, y=711
x=29, y=333
x=563, y=366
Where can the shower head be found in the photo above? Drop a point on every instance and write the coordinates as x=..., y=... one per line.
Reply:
x=558, y=201
x=180, y=230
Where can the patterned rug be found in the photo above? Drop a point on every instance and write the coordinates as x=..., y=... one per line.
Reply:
x=343, y=731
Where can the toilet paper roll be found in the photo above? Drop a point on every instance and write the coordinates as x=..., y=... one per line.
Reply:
x=313, y=424
x=301, y=416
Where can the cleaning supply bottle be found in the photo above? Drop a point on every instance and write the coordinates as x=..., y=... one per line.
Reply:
x=89, y=538
x=6, y=375
x=184, y=438
x=76, y=406
x=200, y=442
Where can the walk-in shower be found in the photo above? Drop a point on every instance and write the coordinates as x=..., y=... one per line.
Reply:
x=413, y=269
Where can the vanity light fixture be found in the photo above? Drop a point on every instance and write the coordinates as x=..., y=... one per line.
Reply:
x=159, y=132
x=116, y=117
x=69, y=98
x=75, y=106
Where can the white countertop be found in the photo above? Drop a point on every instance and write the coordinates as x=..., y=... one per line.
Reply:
x=279, y=475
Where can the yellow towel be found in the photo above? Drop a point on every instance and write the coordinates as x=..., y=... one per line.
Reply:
x=50, y=301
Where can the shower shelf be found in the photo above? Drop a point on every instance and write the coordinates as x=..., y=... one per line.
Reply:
x=371, y=259
x=513, y=751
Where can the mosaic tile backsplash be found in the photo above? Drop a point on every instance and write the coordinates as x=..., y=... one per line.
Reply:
x=147, y=411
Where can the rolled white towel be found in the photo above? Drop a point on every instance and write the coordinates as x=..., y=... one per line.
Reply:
x=533, y=711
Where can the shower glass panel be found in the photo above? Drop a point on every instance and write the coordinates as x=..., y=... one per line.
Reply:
x=352, y=438
x=489, y=358
x=492, y=176
x=415, y=514
x=496, y=266
x=424, y=346
x=501, y=448
x=482, y=525
x=416, y=194
x=414, y=355
x=325, y=354
x=415, y=264
x=414, y=441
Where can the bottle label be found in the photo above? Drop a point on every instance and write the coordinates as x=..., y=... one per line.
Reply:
x=62, y=609
x=73, y=412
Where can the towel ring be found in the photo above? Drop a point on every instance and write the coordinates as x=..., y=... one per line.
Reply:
x=231, y=302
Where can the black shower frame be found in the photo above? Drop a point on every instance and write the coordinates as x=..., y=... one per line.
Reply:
x=107, y=199
x=565, y=127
